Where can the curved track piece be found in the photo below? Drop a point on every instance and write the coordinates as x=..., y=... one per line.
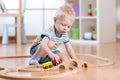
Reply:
x=36, y=72
x=66, y=64
x=32, y=77
x=30, y=73
x=1, y=68
x=96, y=60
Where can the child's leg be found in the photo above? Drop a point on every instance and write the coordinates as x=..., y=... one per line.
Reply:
x=47, y=58
x=41, y=53
x=34, y=59
x=38, y=52
x=44, y=56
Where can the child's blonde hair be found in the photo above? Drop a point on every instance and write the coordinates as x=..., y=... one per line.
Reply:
x=65, y=11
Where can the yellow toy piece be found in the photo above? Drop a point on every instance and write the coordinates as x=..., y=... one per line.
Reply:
x=47, y=65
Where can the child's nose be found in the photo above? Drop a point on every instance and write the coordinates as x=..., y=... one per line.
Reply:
x=64, y=28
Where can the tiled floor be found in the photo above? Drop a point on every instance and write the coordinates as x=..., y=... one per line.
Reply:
x=106, y=50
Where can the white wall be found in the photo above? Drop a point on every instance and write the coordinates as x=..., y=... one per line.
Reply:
x=33, y=19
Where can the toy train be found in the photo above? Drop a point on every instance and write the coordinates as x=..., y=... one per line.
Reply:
x=50, y=64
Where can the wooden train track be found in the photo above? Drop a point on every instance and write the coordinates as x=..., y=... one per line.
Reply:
x=66, y=68
x=1, y=68
x=96, y=60
x=11, y=57
x=69, y=64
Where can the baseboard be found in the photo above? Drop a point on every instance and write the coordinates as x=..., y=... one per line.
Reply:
x=13, y=38
x=31, y=38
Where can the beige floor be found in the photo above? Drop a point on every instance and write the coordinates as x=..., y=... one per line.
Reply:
x=107, y=50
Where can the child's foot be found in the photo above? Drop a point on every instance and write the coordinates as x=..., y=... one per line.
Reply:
x=33, y=62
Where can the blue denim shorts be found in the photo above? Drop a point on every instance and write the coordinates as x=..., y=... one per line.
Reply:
x=45, y=59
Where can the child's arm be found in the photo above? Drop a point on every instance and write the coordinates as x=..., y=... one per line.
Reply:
x=70, y=50
x=46, y=48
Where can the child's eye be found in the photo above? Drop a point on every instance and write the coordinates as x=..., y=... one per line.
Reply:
x=68, y=26
x=63, y=24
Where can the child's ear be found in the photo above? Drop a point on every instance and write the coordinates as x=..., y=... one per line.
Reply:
x=55, y=19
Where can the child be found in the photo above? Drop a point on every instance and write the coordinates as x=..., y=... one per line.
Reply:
x=44, y=47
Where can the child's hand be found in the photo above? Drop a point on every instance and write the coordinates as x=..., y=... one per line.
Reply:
x=55, y=63
x=55, y=57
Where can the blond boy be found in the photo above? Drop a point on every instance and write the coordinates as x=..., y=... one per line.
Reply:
x=44, y=47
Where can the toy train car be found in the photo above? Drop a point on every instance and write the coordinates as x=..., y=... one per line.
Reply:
x=49, y=64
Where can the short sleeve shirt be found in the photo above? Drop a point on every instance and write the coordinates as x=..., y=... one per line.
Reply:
x=52, y=35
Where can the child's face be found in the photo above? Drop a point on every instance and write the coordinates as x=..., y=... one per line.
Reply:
x=63, y=24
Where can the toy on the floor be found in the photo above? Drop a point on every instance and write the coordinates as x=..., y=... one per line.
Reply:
x=49, y=64
x=55, y=63
x=65, y=69
x=1, y=68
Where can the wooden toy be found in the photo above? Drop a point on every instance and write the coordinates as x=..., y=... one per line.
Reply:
x=55, y=63
x=1, y=68
x=48, y=64
x=94, y=12
x=66, y=68
x=90, y=10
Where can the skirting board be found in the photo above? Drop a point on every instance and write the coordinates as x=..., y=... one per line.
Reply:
x=13, y=38
x=30, y=38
